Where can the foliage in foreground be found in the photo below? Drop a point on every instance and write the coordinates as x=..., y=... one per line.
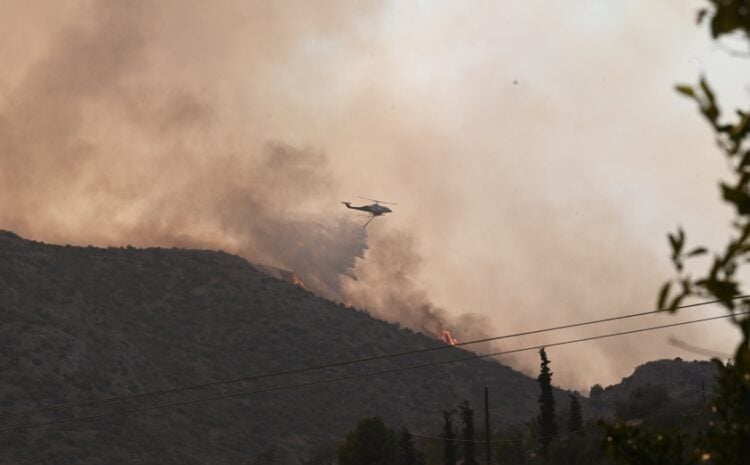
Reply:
x=372, y=443
x=726, y=438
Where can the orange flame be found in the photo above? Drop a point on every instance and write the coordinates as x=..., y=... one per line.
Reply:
x=448, y=338
x=298, y=282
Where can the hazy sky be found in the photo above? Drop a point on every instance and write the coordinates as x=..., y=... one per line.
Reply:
x=537, y=152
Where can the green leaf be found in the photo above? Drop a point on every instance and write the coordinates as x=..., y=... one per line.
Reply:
x=675, y=303
x=663, y=295
x=707, y=90
x=697, y=251
x=723, y=290
x=701, y=14
x=687, y=286
x=726, y=19
x=709, y=107
x=685, y=90
x=712, y=114
x=738, y=197
x=677, y=241
x=740, y=130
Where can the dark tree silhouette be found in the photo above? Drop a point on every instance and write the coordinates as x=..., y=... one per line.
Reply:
x=467, y=416
x=407, y=453
x=575, y=420
x=449, y=438
x=547, y=421
x=371, y=443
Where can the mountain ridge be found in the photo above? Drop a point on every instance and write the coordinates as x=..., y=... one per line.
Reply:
x=85, y=323
x=81, y=323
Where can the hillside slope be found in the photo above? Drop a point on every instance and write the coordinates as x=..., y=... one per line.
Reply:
x=657, y=385
x=78, y=324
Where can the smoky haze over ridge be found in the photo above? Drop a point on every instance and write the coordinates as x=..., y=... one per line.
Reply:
x=242, y=125
x=102, y=152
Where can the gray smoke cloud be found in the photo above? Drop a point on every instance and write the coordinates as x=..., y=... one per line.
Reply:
x=93, y=150
x=96, y=150
x=385, y=285
x=528, y=187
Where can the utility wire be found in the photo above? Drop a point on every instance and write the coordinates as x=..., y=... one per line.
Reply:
x=367, y=375
x=295, y=371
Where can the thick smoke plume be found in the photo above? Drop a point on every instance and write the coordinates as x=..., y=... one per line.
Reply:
x=96, y=148
x=385, y=285
x=532, y=173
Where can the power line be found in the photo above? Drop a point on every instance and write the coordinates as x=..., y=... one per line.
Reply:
x=370, y=374
x=295, y=371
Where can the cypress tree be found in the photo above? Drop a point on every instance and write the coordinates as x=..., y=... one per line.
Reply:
x=547, y=422
x=467, y=415
x=449, y=438
x=575, y=420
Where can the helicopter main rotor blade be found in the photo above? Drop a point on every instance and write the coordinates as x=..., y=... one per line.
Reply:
x=377, y=201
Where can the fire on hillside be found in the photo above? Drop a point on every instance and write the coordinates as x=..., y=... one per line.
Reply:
x=447, y=337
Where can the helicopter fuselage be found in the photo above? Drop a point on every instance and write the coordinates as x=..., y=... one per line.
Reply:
x=374, y=209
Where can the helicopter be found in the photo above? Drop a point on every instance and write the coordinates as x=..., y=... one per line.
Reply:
x=375, y=209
